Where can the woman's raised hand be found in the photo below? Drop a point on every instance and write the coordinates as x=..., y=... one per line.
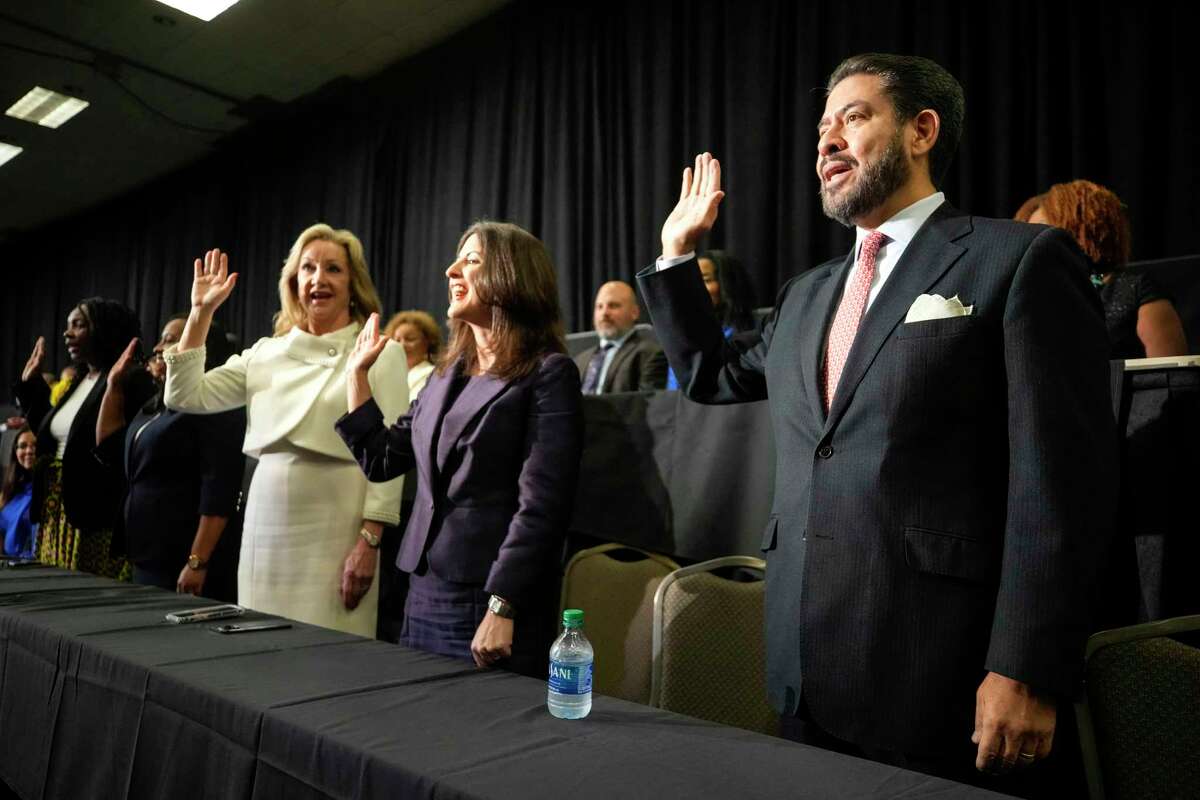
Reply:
x=368, y=347
x=33, y=367
x=212, y=283
x=696, y=211
x=123, y=367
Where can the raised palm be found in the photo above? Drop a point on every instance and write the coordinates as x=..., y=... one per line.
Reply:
x=368, y=346
x=34, y=365
x=696, y=211
x=212, y=284
x=124, y=365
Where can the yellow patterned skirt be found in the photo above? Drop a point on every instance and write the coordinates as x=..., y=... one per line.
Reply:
x=63, y=545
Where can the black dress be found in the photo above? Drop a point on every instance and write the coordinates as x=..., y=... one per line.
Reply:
x=1123, y=297
x=179, y=466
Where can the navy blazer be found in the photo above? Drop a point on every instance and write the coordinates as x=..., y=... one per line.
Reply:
x=180, y=467
x=947, y=516
x=495, y=491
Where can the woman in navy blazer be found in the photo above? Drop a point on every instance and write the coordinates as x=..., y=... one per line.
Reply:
x=184, y=474
x=496, y=437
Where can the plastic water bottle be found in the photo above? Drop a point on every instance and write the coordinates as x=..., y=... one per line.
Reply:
x=569, y=695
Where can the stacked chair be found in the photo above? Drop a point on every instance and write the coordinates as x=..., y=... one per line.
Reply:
x=709, y=654
x=615, y=586
x=1139, y=718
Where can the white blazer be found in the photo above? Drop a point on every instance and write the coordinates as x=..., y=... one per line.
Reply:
x=294, y=389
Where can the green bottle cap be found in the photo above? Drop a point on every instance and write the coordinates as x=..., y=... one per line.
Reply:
x=573, y=618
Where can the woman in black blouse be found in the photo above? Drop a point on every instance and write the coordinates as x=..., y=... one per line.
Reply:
x=75, y=498
x=184, y=473
x=1142, y=322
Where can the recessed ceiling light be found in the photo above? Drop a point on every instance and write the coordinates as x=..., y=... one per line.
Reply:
x=46, y=108
x=202, y=9
x=8, y=152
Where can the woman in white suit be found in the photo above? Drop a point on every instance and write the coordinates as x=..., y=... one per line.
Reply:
x=313, y=523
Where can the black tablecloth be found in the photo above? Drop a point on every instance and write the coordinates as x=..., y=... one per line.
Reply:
x=101, y=698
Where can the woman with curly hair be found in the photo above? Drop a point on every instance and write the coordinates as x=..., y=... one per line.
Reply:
x=76, y=499
x=1142, y=322
x=421, y=338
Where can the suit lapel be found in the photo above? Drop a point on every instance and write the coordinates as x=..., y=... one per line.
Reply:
x=434, y=399
x=623, y=354
x=814, y=329
x=476, y=396
x=931, y=252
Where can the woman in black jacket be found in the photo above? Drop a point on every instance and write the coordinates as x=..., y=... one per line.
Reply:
x=76, y=498
x=184, y=473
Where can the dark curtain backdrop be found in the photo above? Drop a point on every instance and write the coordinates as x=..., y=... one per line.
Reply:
x=575, y=119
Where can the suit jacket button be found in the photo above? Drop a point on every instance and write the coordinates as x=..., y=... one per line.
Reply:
x=333, y=351
x=825, y=451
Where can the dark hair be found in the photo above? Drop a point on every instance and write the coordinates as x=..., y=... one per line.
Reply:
x=736, y=306
x=1094, y=216
x=914, y=84
x=15, y=475
x=517, y=281
x=111, y=324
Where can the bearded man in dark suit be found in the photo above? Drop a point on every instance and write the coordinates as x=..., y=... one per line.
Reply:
x=946, y=458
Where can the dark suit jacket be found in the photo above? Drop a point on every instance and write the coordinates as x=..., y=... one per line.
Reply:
x=947, y=516
x=182, y=466
x=91, y=492
x=639, y=365
x=494, y=491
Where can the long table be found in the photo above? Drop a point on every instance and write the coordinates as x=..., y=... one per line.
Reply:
x=100, y=698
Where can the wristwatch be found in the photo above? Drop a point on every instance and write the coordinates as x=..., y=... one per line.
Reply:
x=501, y=607
x=371, y=539
x=197, y=563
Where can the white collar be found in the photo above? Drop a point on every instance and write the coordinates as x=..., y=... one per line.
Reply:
x=902, y=226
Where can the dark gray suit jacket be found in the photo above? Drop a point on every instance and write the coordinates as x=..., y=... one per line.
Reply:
x=947, y=517
x=638, y=366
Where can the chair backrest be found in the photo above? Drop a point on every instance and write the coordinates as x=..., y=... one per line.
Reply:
x=709, y=654
x=615, y=585
x=1139, y=718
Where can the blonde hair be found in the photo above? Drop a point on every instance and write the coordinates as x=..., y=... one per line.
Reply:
x=364, y=300
x=422, y=322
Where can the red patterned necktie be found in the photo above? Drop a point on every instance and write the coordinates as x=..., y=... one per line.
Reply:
x=849, y=314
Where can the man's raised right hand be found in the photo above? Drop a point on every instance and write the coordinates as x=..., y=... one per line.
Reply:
x=696, y=211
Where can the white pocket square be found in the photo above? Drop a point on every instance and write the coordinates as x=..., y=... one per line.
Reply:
x=934, y=306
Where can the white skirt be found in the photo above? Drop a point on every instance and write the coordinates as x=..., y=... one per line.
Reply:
x=303, y=515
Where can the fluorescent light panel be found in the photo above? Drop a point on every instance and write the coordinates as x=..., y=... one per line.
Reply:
x=201, y=9
x=46, y=108
x=8, y=152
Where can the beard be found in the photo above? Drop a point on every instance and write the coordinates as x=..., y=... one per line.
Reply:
x=876, y=183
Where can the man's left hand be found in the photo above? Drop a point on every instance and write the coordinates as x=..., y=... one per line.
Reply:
x=1014, y=726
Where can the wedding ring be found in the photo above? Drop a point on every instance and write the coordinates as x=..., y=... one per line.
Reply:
x=1026, y=756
